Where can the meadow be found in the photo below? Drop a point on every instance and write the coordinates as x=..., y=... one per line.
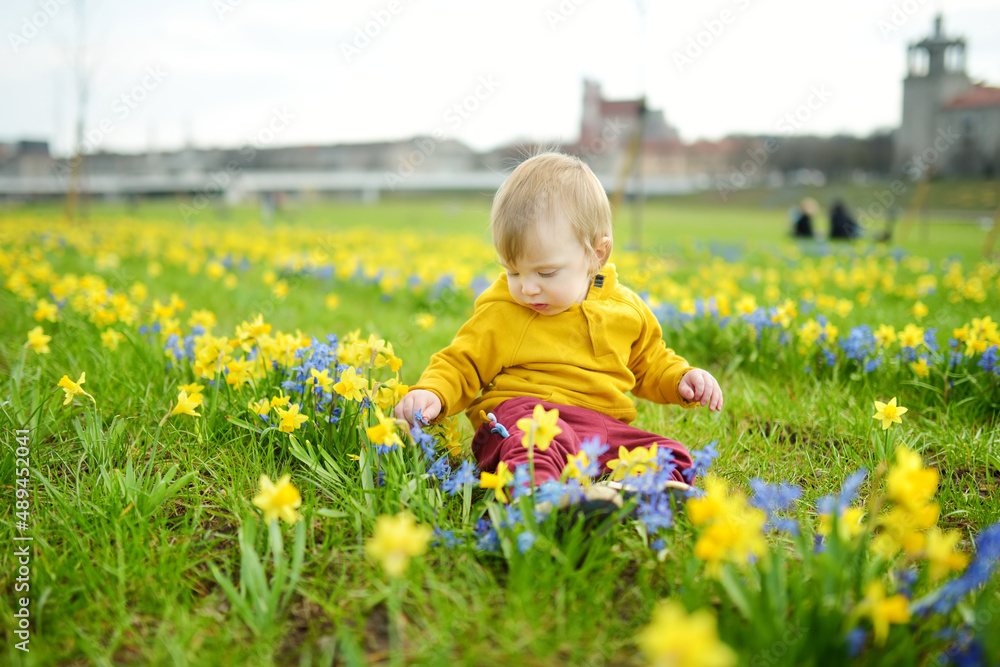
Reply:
x=157, y=366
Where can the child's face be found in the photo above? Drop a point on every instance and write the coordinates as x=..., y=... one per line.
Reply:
x=554, y=272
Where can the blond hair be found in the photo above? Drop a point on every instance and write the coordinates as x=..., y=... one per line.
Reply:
x=547, y=184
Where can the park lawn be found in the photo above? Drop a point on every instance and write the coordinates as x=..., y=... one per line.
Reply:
x=120, y=576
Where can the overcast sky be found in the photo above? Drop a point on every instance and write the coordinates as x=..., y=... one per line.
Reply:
x=217, y=72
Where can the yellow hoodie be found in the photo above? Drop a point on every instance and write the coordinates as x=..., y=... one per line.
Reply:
x=590, y=355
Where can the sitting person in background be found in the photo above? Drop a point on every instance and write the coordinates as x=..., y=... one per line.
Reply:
x=802, y=218
x=842, y=225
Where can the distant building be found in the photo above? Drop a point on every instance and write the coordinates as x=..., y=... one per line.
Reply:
x=609, y=127
x=950, y=124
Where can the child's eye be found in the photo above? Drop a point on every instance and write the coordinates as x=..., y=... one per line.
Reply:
x=511, y=274
x=547, y=275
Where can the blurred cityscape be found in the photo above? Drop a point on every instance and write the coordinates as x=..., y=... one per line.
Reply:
x=950, y=127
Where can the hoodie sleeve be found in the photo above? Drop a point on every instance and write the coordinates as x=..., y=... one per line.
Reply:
x=658, y=369
x=460, y=371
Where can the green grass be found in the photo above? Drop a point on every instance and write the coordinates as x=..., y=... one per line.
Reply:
x=130, y=516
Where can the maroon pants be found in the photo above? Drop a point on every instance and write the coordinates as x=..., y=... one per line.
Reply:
x=577, y=424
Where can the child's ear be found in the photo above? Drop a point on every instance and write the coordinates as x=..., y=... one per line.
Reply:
x=603, y=250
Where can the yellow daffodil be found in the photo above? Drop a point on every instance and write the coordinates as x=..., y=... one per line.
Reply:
x=278, y=500
x=887, y=413
x=38, y=341
x=261, y=407
x=396, y=540
x=885, y=335
x=186, y=404
x=909, y=483
x=238, y=372
x=280, y=401
x=540, y=428
x=424, y=320
x=46, y=310
x=321, y=380
x=848, y=523
x=911, y=336
x=941, y=553
x=191, y=388
x=920, y=367
x=633, y=462
x=575, y=464
x=882, y=610
x=732, y=528
x=351, y=385
x=497, y=481
x=919, y=310
x=332, y=301
x=291, y=420
x=73, y=388
x=674, y=638
x=384, y=433
x=110, y=338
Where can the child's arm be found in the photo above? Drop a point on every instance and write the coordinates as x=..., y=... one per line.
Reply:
x=663, y=376
x=698, y=386
x=427, y=402
x=457, y=373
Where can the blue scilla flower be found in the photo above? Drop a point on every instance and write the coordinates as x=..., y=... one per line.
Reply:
x=930, y=339
x=655, y=513
x=860, y=342
x=489, y=541
x=759, y=320
x=172, y=347
x=441, y=469
x=556, y=492
x=988, y=362
x=525, y=541
x=955, y=359
x=466, y=475
x=522, y=482
x=702, y=460
x=512, y=516
x=844, y=498
x=873, y=364
x=856, y=641
x=443, y=538
x=830, y=357
x=907, y=577
x=658, y=544
x=292, y=386
x=774, y=498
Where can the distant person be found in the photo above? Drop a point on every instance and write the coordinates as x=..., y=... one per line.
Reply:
x=802, y=219
x=557, y=330
x=842, y=225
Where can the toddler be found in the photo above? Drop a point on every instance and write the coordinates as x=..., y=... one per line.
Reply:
x=558, y=330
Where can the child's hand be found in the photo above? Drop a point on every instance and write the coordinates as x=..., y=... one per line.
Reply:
x=699, y=386
x=419, y=399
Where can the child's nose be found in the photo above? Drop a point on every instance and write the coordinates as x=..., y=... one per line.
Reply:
x=530, y=288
